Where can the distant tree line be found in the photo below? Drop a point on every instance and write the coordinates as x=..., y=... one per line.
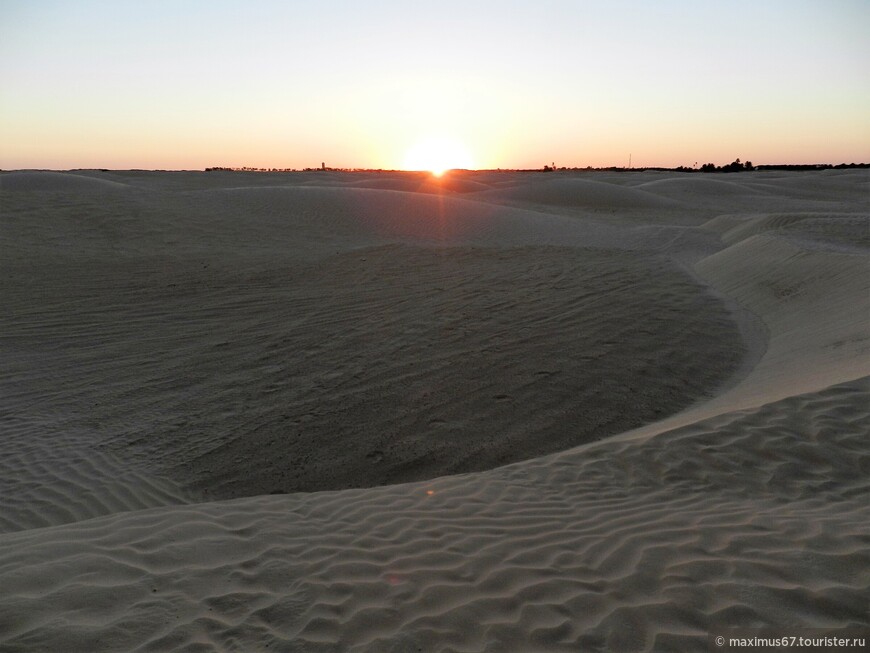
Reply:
x=734, y=166
x=322, y=168
x=249, y=169
x=813, y=166
x=737, y=166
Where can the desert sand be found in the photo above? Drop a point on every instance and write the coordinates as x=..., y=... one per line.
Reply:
x=567, y=411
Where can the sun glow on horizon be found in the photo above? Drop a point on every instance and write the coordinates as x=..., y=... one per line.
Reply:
x=438, y=154
x=86, y=88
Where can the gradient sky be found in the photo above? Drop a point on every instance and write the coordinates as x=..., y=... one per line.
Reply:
x=188, y=84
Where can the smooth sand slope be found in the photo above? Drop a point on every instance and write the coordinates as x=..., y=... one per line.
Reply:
x=256, y=412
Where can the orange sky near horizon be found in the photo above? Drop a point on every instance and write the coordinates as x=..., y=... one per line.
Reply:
x=158, y=86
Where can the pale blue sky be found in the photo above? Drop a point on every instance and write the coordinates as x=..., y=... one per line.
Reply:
x=190, y=84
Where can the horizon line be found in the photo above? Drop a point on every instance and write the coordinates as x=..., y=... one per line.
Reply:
x=545, y=168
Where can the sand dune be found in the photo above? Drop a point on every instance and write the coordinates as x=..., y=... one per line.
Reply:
x=685, y=411
x=291, y=223
x=784, y=283
x=65, y=182
x=845, y=232
x=422, y=183
x=761, y=192
x=582, y=193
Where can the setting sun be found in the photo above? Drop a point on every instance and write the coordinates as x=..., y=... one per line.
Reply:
x=437, y=155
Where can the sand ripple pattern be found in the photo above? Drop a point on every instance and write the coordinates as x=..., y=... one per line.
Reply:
x=750, y=518
x=54, y=475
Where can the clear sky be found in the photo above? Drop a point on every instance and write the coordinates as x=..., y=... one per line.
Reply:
x=189, y=84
